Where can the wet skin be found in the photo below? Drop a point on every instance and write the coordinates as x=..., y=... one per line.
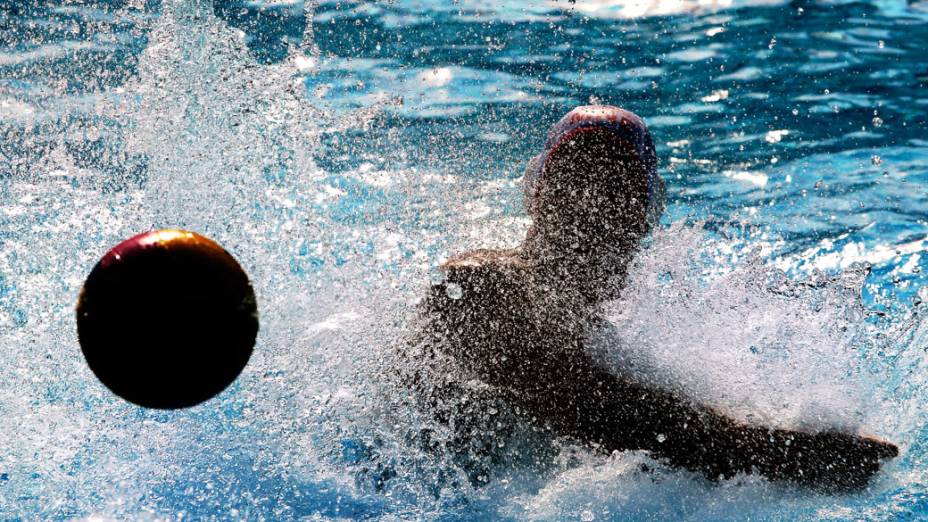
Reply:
x=523, y=316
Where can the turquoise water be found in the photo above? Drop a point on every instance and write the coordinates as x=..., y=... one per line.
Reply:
x=340, y=151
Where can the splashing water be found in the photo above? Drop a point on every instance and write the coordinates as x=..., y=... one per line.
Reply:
x=192, y=131
x=774, y=351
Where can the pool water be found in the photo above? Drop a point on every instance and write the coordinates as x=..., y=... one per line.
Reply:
x=342, y=150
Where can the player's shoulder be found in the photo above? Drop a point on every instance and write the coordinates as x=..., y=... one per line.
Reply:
x=481, y=278
x=484, y=266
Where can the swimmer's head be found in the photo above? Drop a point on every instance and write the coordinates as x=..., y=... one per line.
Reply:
x=595, y=187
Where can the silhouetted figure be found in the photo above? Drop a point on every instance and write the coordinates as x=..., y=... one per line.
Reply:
x=518, y=320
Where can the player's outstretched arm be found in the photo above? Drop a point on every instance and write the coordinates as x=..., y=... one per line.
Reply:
x=698, y=438
x=829, y=461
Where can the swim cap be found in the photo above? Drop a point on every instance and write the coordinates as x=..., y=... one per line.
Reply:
x=626, y=126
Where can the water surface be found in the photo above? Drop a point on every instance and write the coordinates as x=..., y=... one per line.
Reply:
x=340, y=151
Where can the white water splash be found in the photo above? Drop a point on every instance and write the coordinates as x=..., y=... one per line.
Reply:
x=751, y=341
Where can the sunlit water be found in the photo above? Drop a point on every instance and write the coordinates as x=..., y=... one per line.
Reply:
x=340, y=151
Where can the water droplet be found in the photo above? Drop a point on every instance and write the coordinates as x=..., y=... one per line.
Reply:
x=882, y=44
x=661, y=437
x=454, y=291
x=877, y=121
x=876, y=159
x=772, y=44
x=923, y=293
x=795, y=112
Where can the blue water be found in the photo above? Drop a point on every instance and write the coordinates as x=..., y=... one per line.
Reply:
x=342, y=150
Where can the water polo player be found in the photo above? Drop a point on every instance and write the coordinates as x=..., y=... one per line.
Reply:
x=516, y=321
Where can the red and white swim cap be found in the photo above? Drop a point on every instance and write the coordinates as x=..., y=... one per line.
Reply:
x=627, y=127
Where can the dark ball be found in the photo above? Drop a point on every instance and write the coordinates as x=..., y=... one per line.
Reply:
x=167, y=319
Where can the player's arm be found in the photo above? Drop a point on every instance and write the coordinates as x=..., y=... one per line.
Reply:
x=827, y=460
x=701, y=439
